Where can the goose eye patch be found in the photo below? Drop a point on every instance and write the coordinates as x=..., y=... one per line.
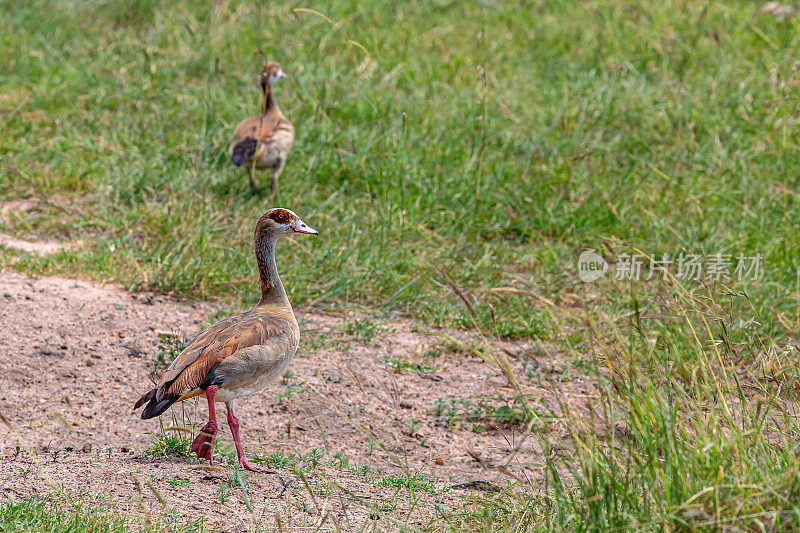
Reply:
x=282, y=217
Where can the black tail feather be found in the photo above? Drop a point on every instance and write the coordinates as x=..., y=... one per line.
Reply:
x=243, y=151
x=146, y=398
x=154, y=407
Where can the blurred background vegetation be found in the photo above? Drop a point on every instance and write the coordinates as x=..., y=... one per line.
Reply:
x=477, y=145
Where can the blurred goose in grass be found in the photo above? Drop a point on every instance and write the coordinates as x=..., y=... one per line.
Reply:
x=241, y=354
x=264, y=141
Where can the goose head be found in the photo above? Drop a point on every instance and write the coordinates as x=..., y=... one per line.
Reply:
x=270, y=73
x=278, y=222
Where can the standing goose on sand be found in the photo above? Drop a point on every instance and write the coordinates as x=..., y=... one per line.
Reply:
x=264, y=141
x=241, y=354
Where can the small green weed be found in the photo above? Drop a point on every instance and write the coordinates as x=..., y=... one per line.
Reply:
x=276, y=459
x=401, y=364
x=364, y=329
x=180, y=482
x=486, y=410
x=365, y=471
x=417, y=481
x=223, y=492
x=312, y=458
x=289, y=391
x=343, y=460
x=170, y=445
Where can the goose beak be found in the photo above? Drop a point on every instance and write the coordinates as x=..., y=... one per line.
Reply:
x=302, y=227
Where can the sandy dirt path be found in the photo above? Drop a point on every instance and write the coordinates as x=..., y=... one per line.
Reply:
x=75, y=355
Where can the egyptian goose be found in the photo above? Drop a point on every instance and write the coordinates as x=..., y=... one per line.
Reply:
x=264, y=141
x=241, y=354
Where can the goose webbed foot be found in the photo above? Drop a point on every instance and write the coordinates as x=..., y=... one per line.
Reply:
x=203, y=444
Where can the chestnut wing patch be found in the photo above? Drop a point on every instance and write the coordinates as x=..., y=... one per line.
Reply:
x=190, y=370
x=262, y=127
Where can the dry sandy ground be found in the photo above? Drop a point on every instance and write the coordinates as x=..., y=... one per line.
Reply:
x=75, y=355
x=40, y=246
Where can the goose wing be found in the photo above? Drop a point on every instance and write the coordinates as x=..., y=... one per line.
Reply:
x=262, y=127
x=196, y=363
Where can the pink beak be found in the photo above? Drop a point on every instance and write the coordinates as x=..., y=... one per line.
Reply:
x=302, y=227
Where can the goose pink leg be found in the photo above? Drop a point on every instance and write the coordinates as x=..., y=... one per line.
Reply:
x=233, y=423
x=203, y=444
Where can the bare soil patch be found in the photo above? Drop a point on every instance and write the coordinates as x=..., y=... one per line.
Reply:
x=32, y=247
x=19, y=208
x=76, y=355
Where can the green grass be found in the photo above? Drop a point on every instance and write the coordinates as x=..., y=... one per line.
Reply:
x=694, y=429
x=178, y=481
x=51, y=514
x=484, y=176
x=170, y=445
x=175, y=437
x=413, y=482
x=457, y=157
